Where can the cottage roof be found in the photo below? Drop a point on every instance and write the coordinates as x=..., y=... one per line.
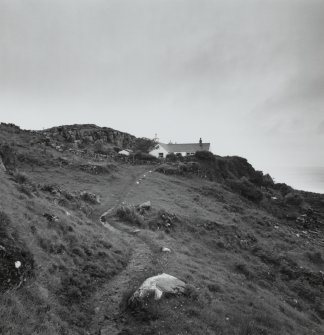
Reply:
x=185, y=147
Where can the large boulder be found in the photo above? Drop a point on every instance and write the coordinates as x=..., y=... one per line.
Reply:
x=159, y=285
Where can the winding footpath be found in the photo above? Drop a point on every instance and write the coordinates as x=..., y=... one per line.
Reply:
x=107, y=319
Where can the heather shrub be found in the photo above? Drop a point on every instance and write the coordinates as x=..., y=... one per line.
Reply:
x=20, y=177
x=294, y=199
x=143, y=156
x=283, y=188
x=257, y=178
x=245, y=188
x=90, y=197
x=144, y=144
x=171, y=157
x=267, y=180
x=168, y=169
x=205, y=155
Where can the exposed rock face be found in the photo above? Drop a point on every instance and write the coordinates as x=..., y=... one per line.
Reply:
x=91, y=134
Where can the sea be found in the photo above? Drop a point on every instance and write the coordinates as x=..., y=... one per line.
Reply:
x=301, y=178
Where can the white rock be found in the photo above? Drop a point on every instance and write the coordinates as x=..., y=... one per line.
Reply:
x=123, y=152
x=17, y=264
x=164, y=249
x=158, y=285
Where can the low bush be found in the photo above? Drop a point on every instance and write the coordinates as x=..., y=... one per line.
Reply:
x=25, y=185
x=20, y=177
x=179, y=168
x=205, y=155
x=257, y=178
x=283, y=188
x=143, y=156
x=294, y=199
x=168, y=169
x=90, y=197
x=245, y=188
x=171, y=157
x=98, y=169
x=144, y=144
x=267, y=180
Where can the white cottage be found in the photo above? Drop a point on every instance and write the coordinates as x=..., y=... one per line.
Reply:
x=185, y=149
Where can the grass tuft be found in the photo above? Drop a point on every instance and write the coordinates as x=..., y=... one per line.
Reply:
x=131, y=215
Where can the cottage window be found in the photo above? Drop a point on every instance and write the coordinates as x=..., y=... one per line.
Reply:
x=160, y=154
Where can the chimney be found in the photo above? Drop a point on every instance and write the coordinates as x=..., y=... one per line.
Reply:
x=200, y=143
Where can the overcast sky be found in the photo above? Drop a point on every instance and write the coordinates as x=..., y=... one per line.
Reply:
x=247, y=76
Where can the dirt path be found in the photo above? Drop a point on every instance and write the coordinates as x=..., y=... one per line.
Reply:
x=107, y=300
x=107, y=319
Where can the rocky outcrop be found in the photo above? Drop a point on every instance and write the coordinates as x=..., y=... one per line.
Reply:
x=89, y=134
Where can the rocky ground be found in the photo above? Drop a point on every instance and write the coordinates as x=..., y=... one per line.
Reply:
x=75, y=244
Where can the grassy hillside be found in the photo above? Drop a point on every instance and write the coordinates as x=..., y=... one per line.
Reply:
x=250, y=251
